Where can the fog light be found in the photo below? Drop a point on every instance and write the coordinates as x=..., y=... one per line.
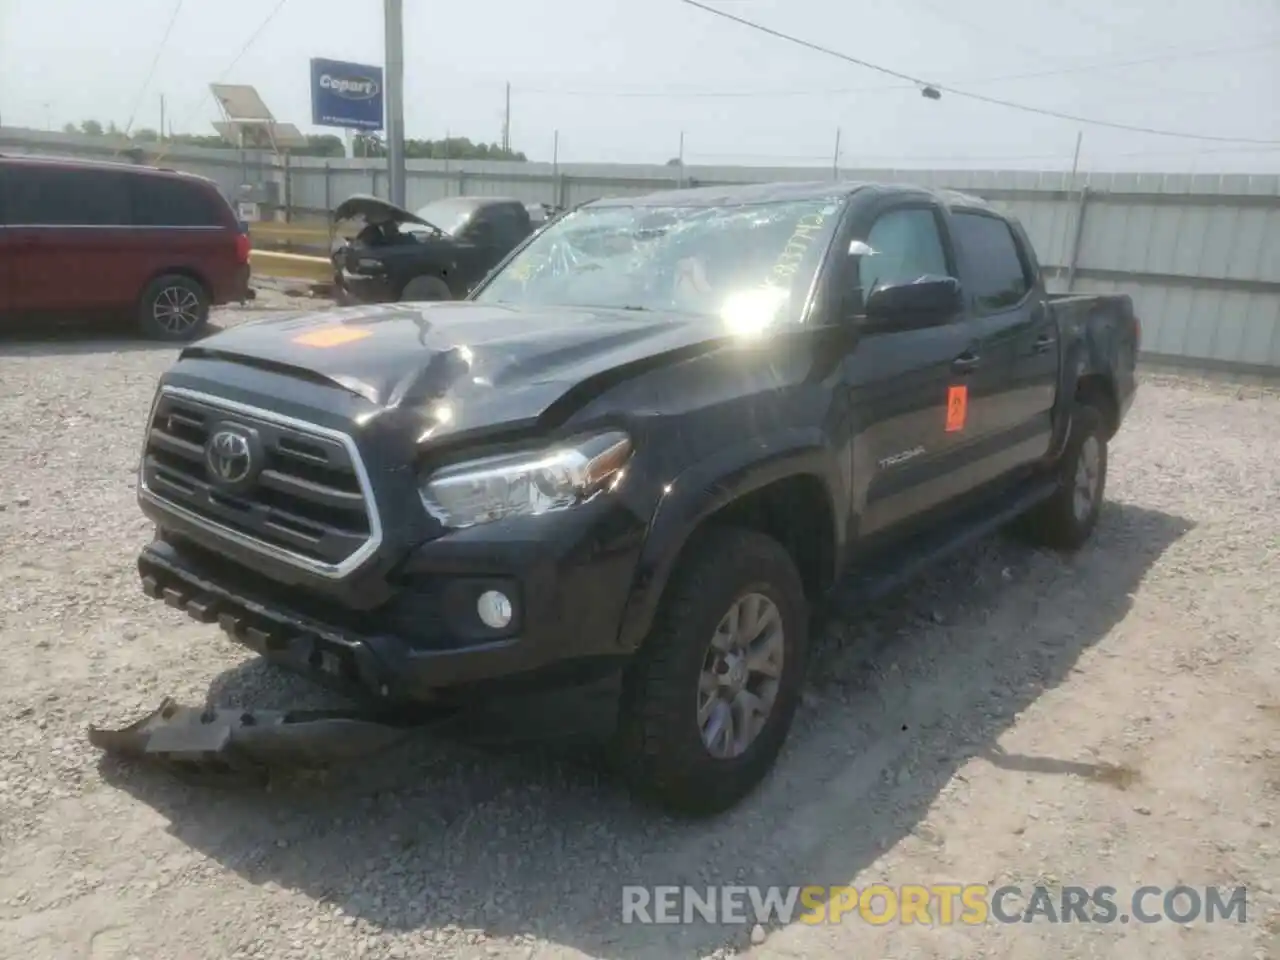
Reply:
x=494, y=609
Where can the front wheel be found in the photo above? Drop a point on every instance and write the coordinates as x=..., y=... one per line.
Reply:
x=426, y=288
x=709, y=699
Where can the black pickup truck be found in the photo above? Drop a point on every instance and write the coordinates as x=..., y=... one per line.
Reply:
x=655, y=439
x=438, y=253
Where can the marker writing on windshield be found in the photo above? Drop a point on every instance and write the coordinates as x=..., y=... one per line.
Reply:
x=797, y=246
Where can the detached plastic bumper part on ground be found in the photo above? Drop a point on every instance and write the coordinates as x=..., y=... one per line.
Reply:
x=248, y=742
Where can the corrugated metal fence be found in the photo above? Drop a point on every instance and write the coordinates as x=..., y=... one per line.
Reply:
x=1199, y=254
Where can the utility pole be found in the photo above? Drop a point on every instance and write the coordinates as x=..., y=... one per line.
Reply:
x=506, y=123
x=835, y=158
x=680, y=157
x=162, y=118
x=392, y=13
x=556, y=187
x=1071, y=185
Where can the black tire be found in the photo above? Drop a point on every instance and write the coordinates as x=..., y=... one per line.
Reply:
x=174, y=309
x=659, y=747
x=426, y=288
x=1063, y=522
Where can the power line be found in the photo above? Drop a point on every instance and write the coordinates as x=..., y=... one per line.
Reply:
x=995, y=101
x=947, y=17
x=155, y=60
x=828, y=91
x=1037, y=52
x=235, y=60
x=252, y=39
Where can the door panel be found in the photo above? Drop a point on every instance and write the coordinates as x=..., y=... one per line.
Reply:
x=66, y=226
x=1025, y=341
x=6, y=285
x=1017, y=339
x=6, y=251
x=474, y=261
x=61, y=269
x=905, y=460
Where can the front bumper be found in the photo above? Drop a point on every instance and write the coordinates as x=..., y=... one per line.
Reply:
x=351, y=289
x=426, y=643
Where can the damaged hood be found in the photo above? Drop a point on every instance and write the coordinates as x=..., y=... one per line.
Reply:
x=483, y=364
x=375, y=210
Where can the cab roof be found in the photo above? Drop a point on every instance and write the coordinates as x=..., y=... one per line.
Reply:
x=747, y=193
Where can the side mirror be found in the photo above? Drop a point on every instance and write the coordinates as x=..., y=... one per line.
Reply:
x=928, y=302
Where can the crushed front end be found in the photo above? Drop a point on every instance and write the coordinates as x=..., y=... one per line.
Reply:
x=305, y=537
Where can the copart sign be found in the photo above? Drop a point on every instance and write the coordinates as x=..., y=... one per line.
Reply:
x=347, y=95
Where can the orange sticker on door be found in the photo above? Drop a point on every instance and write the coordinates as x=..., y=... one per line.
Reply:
x=957, y=408
x=331, y=336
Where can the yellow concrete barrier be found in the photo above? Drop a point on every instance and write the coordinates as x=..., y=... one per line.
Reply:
x=271, y=232
x=292, y=266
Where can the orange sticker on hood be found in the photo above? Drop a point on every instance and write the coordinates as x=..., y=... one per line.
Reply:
x=331, y=336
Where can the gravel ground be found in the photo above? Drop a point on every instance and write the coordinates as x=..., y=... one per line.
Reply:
x=1016, y=717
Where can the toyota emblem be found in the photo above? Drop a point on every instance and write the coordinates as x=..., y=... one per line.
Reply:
x=229, y=456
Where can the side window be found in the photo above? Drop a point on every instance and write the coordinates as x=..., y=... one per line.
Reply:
x=498, y=222
x=55, y=196
x=998, y=278
x=505, y=220
x=906, y=246
x=170, y=202
x=480, y=229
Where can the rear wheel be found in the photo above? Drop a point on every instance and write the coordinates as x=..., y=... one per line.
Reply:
x=426, y=288
x=1066, y=520
x=709, y=699
x=174, y=308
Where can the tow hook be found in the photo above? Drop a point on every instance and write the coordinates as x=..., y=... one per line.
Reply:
x=203, y=740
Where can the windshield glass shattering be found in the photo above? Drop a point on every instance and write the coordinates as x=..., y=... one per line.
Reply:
x=690, y=259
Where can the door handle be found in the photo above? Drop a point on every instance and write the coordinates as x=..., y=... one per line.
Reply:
x=965, y=362
x=1043, y=343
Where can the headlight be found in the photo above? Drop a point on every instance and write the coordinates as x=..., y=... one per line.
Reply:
x=526, y=484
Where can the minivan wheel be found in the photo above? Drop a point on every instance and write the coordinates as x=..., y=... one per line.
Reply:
x=426, y=288
x=174, y=308
x=709, y=698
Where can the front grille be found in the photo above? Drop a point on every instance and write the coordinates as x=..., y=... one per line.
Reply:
x=304, y=498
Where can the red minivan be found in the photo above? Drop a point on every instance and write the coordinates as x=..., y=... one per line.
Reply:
x=94, y=239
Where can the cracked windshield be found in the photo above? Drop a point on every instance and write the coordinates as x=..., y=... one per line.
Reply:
x=747, y=264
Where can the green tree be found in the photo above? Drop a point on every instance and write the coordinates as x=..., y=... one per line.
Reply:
x=323, y=144
x=320, y=145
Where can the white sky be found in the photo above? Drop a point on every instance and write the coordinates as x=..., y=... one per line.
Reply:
x=620, y=79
